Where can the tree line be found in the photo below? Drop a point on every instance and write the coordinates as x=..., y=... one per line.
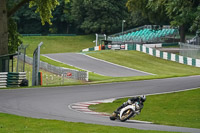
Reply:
x=75, y=17
x=91, y=16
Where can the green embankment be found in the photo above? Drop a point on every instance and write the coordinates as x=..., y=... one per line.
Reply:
x=58, y=44
x=140, y=61
x=147, y=63
x=18, y=124
x=177, y=109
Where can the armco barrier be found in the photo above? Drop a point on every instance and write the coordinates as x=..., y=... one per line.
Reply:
x=11, y=79
x=3, y=79
x=14, y=79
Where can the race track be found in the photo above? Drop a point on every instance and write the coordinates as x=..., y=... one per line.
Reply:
x=53, y=102
x=91, y=64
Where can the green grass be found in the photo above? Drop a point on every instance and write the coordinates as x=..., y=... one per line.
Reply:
x=58, y=44
x=177, y=109
x=18, y=124
x=147, y=63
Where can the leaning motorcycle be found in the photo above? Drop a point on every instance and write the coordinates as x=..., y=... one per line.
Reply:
x=126, y=112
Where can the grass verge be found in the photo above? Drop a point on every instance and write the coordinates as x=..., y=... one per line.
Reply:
x=176, y=109
x=58, y=44
x=13, y=123
x=144, y=62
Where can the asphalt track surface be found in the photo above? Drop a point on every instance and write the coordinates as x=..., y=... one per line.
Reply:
x=95, y=65
x=53, y=102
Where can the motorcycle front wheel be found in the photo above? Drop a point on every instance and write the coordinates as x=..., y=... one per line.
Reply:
x=113, y=116
x=126, y=115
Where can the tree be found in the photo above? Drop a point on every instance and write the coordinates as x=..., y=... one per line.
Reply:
x=44, y=8
x=102, y=16
x=178, y=12
x=145, y=12
x=182, y=13
x=63, y=20
x=3, y=28
x=28, y=22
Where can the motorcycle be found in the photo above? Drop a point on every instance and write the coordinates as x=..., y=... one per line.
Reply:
x=126, y=112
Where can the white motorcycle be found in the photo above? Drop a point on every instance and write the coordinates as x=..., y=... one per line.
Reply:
x=126, y=112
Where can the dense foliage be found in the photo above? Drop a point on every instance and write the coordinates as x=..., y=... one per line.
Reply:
x=14, y=37
x=105, y=16
x=76, y=16
x=29, y=22
x=98, y=16
x=101, y=16
x=182, y=13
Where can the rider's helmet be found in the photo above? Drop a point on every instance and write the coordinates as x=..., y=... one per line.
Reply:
x=143, y=98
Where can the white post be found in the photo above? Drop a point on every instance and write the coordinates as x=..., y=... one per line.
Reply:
x=87, y=76
x=29, y=76
x=105, y=36
x=96, y=39
x=46, y=79
x=123, y=21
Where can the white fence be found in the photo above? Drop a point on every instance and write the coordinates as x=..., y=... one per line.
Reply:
x=168, y=56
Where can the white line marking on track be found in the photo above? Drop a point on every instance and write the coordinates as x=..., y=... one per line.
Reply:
x=136, y=121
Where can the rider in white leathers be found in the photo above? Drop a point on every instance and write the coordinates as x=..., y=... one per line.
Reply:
x=139, y=105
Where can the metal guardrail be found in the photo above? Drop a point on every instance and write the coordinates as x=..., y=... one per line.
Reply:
x=66, y=72
x=3, y=79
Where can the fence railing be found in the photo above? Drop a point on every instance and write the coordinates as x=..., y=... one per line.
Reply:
x=195, y=40
x=64, y=72
x=190, y=50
